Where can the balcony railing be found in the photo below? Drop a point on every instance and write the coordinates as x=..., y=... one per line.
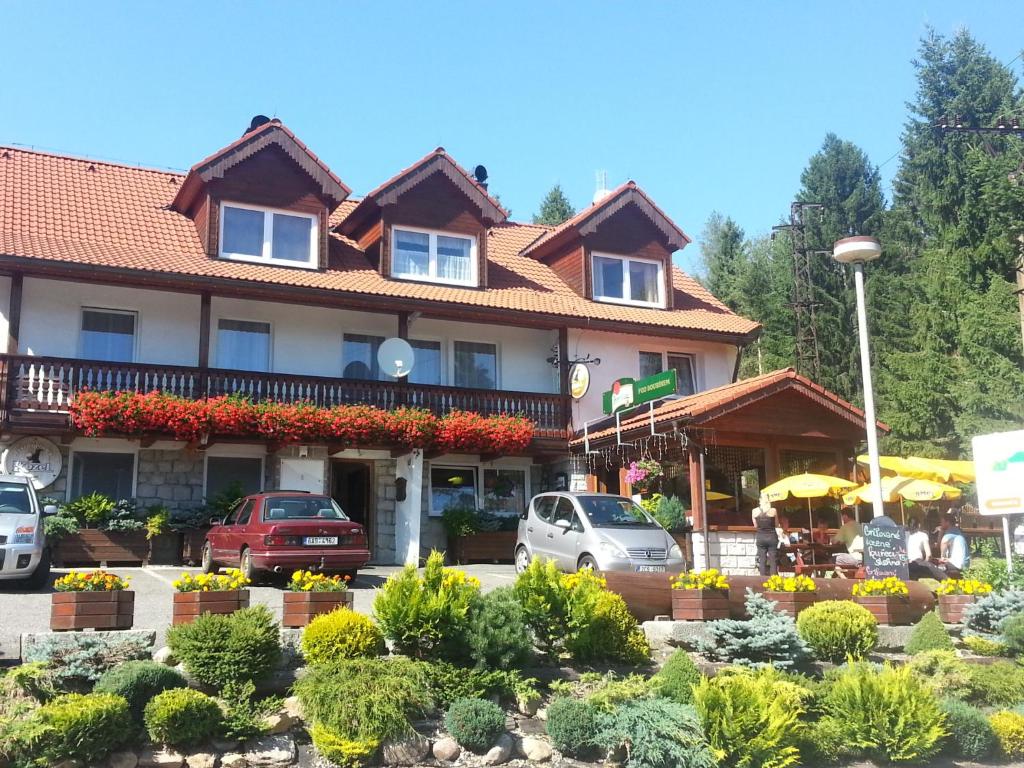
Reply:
x=41, y=386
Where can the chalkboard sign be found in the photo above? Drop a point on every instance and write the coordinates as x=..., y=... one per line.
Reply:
x=885, y=550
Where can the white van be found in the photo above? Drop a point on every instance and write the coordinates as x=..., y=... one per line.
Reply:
x=24, y=555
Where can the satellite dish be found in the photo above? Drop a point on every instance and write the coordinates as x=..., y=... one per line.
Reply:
x=481, y=173
x=395, y=357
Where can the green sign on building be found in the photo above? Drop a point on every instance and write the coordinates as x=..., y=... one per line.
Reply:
x=626, y=393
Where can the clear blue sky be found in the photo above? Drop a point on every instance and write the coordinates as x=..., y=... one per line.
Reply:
x=708, y=108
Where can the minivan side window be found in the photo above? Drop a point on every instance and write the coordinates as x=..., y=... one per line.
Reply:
x=564, y=511
x=544, y=506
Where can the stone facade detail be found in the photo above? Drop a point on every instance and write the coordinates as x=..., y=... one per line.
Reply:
x=732, y=552
x=384, y=473
x=173, y=479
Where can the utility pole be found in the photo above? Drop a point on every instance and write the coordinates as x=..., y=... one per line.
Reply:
x=808, y=359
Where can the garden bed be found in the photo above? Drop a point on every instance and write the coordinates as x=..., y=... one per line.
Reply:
x=483, y=547
x=90, y=547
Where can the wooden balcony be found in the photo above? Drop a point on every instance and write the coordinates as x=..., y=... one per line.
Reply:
x=37, y=391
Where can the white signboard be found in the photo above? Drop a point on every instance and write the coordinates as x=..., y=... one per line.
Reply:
x=999, y=466
x=34, y=457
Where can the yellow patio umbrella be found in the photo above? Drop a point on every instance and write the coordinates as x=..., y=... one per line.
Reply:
x=940, y=470
x=807, y=486
x=897, y=487
x=716, y=496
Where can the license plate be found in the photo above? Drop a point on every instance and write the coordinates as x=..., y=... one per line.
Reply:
x=650, y=569
x=320, y=541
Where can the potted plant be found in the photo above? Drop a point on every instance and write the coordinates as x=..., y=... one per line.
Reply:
x=476, y=535
x=108, y=532
x=791, y=593
x=956, y=594
x=164, y=543
x=209, y=593
x=310, y=594
x=643, y=475
x=888, y=599
x=91, y=600
x=700, y=596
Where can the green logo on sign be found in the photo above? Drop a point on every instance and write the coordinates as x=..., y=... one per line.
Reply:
x=629, y=392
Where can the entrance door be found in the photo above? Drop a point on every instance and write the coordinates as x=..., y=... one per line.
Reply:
x=352, y=489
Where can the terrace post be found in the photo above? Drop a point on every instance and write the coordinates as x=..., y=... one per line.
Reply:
x=204, y=342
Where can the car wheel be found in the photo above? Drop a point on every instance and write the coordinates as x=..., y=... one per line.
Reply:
x=41, y=575
x=522, y=559
x=207, y=558
x=587, y=561
x=245, y=565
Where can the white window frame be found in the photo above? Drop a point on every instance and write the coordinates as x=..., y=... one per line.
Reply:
x=626, y=289
x=216, y=345
x=113, y=311
x=432, y=276
x=267, y=257
x=664, y=363
x=479, y=466
x=497, y=362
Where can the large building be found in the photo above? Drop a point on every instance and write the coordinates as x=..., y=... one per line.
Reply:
x=255, y=274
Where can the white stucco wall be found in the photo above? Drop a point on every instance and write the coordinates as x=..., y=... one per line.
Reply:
x=5, y=310
x=620, y=357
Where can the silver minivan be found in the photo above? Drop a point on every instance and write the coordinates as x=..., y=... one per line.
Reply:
x=24, y=555
x=594, y=530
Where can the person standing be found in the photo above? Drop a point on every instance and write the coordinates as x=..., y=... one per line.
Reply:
x=766, y=537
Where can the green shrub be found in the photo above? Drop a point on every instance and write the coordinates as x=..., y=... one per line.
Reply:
x=767, y=638
x=670, y=513
x=427, y=616
x=342, y=752
x=85, y=727
x=475, y=723
x=613, y=691
x=341, y=634
x=945, y=673
x=76, y=661
x=24, y=687
x=498, y=636
x=138, y=682
x=1013, y=634
x=656, y=733
x=929, y=634
x=988, y=613
x=367, y=700
x=999, y=684
x=751, y=718
x=675, y=680
x=243, y=712
x=573, y=725
x=181, y=717
x=886, y=713
x=1009, y=730
x=220, y=649
x=822, y=742
x=837, y=629
x=448, y=682
x=602, y=630
x=542, y=593
x=970, y=733
x=982, y=645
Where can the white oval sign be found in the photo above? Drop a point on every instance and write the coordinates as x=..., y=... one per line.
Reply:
x=34, y=457
x=579, y=380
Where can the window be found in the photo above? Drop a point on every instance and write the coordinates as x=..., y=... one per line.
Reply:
x=302, y=508
x=112, y=474
x=564, y=511
x=650, y=364
x=452, y=488
x=427, y=367
x=238, y=475
x=359, y=356
x=107, y=335
x=544, y=507
x=476, y=365
x=654, y=362
x=505, y=491
x=434, y=257
x=628, y=280
x=244, y=513
x=243, y=345
x=263, y=234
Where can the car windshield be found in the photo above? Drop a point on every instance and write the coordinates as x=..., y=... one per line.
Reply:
x=615, y=511
x=14, y=499
x=302, y=508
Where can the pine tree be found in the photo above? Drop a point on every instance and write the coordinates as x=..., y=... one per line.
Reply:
x=723, y=251
x=555, y=208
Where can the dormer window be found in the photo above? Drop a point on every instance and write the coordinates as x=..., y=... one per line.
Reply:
x=433, y=257
x=268, y=236
x=628, y=280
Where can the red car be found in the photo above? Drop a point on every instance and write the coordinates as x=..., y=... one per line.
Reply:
x=282, y=531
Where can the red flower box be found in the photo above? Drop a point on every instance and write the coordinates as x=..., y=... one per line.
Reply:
x=301, y=607
x=792, y=602
x=188, y=605
x=888, y=609
x=951, y=607
x=92, y=610
x=700, y=604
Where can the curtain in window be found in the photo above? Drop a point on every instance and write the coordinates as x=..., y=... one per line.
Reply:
x=243, y=231
x=453, y=259
x=504, y=491
x=427, y=369
x=359, y=354
x=292, y=236
x=108, y=336
x=683, y=365
x=608, y=277
x=243, y=345
x=476, y=365
x=412, y=253
x=650, y=364
x=643, y=281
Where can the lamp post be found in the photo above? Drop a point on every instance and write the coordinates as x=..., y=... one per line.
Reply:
x=858, y=251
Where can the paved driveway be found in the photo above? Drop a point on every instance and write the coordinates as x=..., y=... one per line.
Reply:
x=22, y=611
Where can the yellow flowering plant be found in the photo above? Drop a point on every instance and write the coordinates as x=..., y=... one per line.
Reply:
x=890, y=586
x=800, y=583
x=709, y=579
x=308, y=581
x=90, y=581
x=232, y=578
x=963, y=587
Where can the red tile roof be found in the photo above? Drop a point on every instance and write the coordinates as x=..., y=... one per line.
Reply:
x=58, y=211
x=702, y=407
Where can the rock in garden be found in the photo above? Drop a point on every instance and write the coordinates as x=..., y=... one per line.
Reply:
x=278, y=723
x=201, y=759
x=69, y=763
x=405, y=750
x=165, y=656
x=542, y=713
x=528, y=705
x=500, y=752
x=447, y=750
x=270, y=752
x=225, y=745
x=535, y=750
x=160, y=758
x=123, y=759
x=292, y=707
x=232, y=760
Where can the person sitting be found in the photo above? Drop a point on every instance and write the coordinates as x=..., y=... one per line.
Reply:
x=919, y=552
x=954, y=556
x=851, y=536
x=820, y=534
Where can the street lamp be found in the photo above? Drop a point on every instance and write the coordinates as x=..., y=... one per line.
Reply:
x=857, y=251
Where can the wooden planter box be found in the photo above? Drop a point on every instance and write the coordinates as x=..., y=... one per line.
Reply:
x=192, y=541
x=95, y=548
x=888, y=609
x=301, y=607
x=188, y=605
x=92, y=610
x=486, y=546
x=792, y=602
x=165, y=549
x=951, y=607
x=700, y=604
